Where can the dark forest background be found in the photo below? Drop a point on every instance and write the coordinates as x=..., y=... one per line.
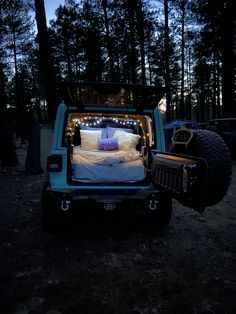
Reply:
x=188, y=46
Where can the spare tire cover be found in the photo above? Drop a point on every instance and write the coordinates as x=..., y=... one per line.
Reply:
x=210, y=146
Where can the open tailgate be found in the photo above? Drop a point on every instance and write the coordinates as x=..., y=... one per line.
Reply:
x=182, y=176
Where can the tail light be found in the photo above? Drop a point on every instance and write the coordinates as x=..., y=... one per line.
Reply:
x=54, y=163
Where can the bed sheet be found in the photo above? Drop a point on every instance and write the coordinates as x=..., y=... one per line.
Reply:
x=111, y=166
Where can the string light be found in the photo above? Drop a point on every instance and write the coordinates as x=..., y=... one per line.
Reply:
x=120, y=120
x=95, y=120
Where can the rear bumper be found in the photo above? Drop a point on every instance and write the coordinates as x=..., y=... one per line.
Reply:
x=102, y=194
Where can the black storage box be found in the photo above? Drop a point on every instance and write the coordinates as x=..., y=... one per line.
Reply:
x=183, y=177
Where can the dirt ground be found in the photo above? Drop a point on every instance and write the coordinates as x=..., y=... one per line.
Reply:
x=114, y=267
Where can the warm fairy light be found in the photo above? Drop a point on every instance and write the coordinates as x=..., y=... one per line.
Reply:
x=90, y=120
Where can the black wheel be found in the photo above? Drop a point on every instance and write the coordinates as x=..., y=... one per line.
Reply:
x=50, y=215
x=210, y=146
x=159, y=210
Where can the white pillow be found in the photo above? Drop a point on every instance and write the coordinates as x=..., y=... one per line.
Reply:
x=90, y=139
x=126, y=141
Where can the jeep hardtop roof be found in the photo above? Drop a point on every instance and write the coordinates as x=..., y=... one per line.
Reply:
x=112, y=95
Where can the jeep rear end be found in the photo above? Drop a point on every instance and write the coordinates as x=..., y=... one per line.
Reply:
x=113, y=155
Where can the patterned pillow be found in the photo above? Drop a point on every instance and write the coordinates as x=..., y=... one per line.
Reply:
x=108, y=144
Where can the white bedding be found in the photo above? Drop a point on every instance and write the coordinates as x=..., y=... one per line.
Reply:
x=107, y=166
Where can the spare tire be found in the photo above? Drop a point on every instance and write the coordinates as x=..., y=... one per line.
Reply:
x=211, y=147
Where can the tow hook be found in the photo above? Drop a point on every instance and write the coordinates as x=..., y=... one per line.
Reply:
x=65, y=205
x=153, y=204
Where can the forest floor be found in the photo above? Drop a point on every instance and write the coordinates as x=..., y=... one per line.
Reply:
x=114, y=267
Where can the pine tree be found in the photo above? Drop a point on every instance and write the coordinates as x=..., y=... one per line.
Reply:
x=167, y=62
x=46, y=64
x=18, y=37
x=228, y=59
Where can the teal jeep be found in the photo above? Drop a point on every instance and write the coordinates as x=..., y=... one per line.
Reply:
x=109, y=151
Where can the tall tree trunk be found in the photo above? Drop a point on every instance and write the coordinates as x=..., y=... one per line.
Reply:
x=218, y=101
x=202, y=102
x=8, y=155
x=15, y=63
x=198, y=108
x=228, y=60
x=189, y=107
x=69, y=63
x=167, y=63
x=140, y=28
x=21, y=110
x=182, y=109
x=46, y=60
x=108, y=42
x=16, y=89
x=214, y=96
x=133, y=58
